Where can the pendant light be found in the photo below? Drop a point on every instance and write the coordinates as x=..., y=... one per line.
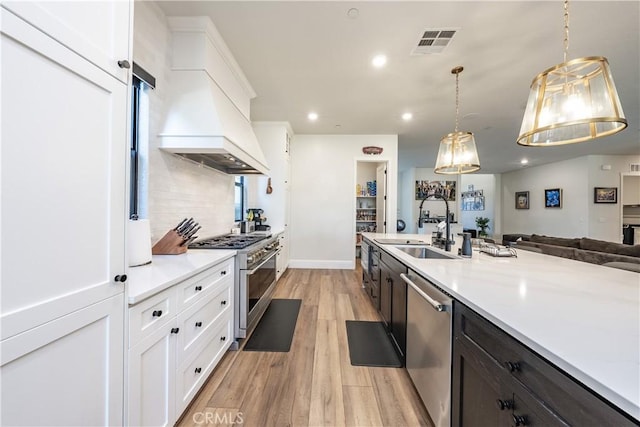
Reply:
x=574, y=101
x=457, y=153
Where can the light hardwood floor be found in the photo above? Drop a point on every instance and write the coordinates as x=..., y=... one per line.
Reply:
x=314, y=383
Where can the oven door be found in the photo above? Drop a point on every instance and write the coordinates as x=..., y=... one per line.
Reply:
x=256, y=288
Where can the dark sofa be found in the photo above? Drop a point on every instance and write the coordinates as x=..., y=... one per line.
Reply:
x=585, y=249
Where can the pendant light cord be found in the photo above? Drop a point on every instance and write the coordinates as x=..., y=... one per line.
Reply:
x=566, y=29
x=457, y=94
x=457, y=70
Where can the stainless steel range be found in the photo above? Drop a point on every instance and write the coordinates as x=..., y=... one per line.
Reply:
x=255, y=276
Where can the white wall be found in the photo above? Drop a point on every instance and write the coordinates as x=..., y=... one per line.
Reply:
x=436, y=207
x=323, y=179
x=489, y=185
x=605, y=219
x=177, y=188
x=579, y=215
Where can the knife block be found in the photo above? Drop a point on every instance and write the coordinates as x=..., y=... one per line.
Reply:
x=169, y=245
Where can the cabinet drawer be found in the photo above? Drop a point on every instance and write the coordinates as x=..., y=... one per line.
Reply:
x=201, y=317
x=150, y=314
x=193, y=372
x=202, y=284
x=557, y=390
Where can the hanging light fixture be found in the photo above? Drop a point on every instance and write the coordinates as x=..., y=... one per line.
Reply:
x=572, y=102
x=457, y=153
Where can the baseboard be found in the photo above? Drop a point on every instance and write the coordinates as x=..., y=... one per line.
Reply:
x=322, y=264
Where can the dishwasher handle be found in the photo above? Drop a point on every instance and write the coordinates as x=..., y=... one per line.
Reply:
x=435, y=304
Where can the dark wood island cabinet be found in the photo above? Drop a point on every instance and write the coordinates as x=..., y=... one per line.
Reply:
x=393, y=301
x=498, y=381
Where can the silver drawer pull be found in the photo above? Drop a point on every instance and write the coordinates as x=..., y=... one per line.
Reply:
x=438, y=306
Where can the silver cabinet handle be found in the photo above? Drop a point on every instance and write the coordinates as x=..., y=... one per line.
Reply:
x=435, y=304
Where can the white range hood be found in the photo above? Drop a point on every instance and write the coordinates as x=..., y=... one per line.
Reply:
x=207, y=119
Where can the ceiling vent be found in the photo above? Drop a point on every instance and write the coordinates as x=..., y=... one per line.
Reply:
x=634, y=167
x=434, y=40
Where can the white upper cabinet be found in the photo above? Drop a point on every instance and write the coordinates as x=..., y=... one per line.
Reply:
x=99, y=31
x=631, y=190
x=63, y=160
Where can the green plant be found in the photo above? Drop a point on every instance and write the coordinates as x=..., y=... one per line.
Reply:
x=483, y=225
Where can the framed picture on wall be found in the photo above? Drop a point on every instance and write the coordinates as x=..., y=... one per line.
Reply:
x=553, y=198
x=522, y=200
x=605, y=195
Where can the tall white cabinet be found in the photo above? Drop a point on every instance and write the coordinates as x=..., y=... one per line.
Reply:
x=63, y=161
x=275, y=141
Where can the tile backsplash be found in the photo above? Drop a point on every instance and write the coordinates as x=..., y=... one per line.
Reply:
x=181, y=189
x=176, y=188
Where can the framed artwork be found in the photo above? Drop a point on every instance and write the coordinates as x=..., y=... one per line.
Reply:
x=429, y=188
x=605, y=195
x=472, y=200
x=522, y=200
x=553, y=198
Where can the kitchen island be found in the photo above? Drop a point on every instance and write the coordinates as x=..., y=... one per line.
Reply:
x=583, y=318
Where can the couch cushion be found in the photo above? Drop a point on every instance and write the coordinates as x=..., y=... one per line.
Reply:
x=609, y=247
x=597, y=257
x=558, y=241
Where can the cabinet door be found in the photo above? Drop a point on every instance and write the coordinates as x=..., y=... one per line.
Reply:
x=68, y=371
x=477, y=395
x=63, y=194
x=99, y=31
x=152, y=375
x=385, y=294
x=399, y=313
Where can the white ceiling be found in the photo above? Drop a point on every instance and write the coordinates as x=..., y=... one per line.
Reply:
x=309, y=55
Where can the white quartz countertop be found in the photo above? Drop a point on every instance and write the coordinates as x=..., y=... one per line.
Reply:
x=582, y=317
x=167, y=270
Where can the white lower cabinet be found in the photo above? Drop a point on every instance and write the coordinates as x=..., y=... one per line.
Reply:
x=151, y=379
x=66, y=372
x=173, y=351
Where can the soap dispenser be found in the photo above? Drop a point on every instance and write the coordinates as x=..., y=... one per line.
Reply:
x=466, y=245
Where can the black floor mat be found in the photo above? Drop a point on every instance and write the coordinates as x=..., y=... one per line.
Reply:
x=274, y=331
x=369, y=345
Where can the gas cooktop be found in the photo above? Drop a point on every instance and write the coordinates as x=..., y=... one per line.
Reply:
x=227, y=241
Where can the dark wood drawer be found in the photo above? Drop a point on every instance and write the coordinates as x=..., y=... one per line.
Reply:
x=393, y=264
x=553, y=388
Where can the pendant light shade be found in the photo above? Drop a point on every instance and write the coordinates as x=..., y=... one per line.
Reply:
x=457, y=153
x=572, y=102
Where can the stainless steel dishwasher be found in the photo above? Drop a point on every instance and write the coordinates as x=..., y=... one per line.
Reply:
x=428, y=358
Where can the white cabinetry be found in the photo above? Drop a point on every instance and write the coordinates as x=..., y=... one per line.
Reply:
x=631, y=190
x=98, y=31
x=66, y=372
x=275, y=140
x=176, y=338
x=63, y=160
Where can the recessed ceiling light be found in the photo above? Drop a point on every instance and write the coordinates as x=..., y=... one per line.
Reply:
x=407, y=116
x=313, y=116
x=379, y=61
x=524, y=161
x=353, y=13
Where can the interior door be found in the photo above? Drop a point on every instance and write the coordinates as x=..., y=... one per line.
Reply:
x=381, y=199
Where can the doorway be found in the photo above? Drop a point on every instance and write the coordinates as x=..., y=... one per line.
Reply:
x=370, y=211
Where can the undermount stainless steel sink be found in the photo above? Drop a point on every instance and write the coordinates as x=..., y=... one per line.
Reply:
x=400, y=241
x=424, y=252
